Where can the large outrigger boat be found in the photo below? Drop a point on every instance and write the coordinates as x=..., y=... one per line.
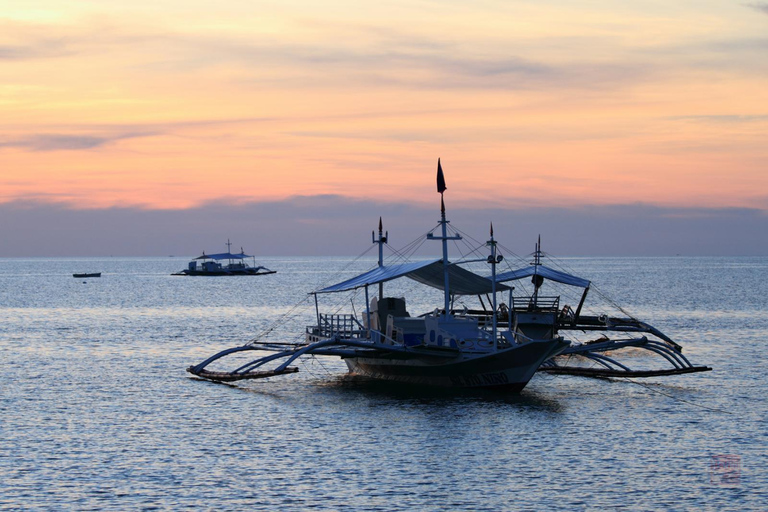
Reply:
x=493, y=345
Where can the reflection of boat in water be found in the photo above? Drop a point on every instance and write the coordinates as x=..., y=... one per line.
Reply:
x=493, y=345
x=442, y=347
x=92, y=274
x=211, y=265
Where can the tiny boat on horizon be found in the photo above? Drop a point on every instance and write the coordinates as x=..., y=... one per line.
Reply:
x=211, y=265
x=90, y=274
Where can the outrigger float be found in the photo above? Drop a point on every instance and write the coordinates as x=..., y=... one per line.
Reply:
x=494, y=345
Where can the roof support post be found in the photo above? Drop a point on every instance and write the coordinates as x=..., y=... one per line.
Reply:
x=368, y=311
x=317, y=310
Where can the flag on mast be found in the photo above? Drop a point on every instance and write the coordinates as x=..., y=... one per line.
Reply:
x=440, y=178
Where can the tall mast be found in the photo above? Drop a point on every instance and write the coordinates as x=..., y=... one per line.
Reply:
x=536, y=279
x=493, y=259
x=444, y=224
x=444, y=238
x=381, y=241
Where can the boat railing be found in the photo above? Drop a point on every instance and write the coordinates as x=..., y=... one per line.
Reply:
x=535, y=303
x=344, y=325
x=518, y=338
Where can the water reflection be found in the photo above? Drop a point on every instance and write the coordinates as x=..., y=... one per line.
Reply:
x=99, y=413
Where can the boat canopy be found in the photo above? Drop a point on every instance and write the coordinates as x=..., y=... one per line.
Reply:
x=546, y=272
x=430, y=272
x=223, y=256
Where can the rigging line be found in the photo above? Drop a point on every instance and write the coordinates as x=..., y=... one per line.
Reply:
x=683, y=400
x=404, y=255
x=337, y=275
x=522, y=259
x=412, y=246
x=458, y=248
x=453, y=232
x=280, y=320
x=303, y=362
x=320, y=363
x=506, y=250
x=314, y=360
x=342, y=303
x=399, y=255
x=561, y=265
x=412, y=250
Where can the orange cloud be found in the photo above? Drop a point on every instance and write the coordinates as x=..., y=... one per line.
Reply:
x=172, y=105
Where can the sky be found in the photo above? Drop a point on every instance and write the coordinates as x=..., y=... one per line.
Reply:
x=153, y=127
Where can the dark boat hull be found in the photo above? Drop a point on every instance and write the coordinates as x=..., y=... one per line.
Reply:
x=246, y=272
x=509, y=369
x=92, y=274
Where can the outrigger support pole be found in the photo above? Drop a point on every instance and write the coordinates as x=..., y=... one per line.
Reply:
x=581, y=303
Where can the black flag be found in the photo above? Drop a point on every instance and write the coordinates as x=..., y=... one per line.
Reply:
x=440, y=178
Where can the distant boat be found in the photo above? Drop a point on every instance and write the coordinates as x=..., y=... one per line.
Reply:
x=91, y=274
x=211, y=265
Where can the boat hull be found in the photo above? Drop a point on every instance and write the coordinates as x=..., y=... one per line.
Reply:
x=245, y=272
x=509, y=369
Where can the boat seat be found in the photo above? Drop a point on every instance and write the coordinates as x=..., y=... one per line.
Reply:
x=389, y=306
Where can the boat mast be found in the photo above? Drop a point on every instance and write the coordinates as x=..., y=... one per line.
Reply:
x=381, y=241
x=493, y=259
x=536, y=279
x=444, y=238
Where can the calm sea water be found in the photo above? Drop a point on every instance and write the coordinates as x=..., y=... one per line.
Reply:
x=97, y=411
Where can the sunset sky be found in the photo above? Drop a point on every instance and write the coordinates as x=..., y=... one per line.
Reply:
x=157, y=105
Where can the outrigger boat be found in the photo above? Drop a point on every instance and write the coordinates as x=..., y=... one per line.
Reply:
x=210, y=265
x=441, y=347
x=492, y=346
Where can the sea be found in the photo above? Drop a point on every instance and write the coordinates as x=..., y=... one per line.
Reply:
x=97, y=411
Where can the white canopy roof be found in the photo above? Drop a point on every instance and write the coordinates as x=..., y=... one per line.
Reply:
x=546, y=272
x=461, y=281
x=224, y=256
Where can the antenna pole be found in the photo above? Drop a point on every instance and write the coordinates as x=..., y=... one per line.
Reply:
x=492, y=260
x=444, y=223
x=381, y=241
